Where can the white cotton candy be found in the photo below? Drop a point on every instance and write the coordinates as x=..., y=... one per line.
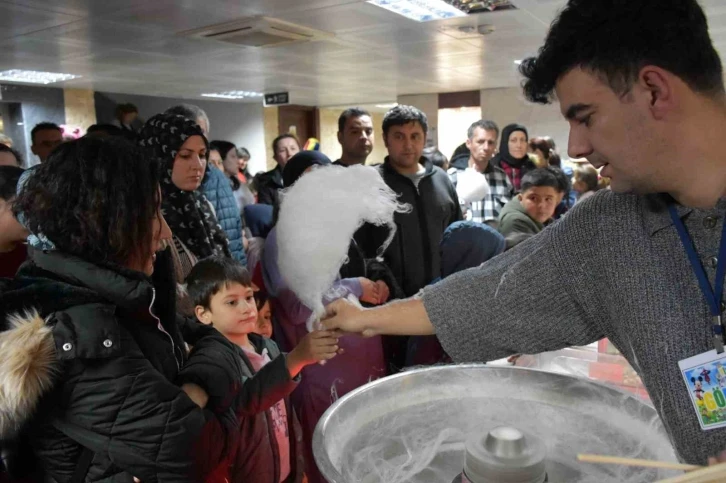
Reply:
x=318, y=216
x=471, y=186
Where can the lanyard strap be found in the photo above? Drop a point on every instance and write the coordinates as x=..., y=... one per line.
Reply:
x=712, y=296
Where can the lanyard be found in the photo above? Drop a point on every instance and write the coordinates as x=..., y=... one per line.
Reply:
x=713, y=297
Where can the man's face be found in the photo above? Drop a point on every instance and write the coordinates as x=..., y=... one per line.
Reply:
x=483, y=145
x=612, y=132
x=357, y=137
x=405, y=146
x=540, y=202
x=286, y=148
x=45, y=141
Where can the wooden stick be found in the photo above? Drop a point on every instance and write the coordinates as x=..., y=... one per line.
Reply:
x=666, y=465
x=709, y=474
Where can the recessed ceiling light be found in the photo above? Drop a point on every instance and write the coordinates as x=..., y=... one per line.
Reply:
x=387, y=106
x=234, y=94
x=518, y=62
x=34, y=77
x=420, y=10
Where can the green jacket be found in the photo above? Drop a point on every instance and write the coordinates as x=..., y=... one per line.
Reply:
x=514, y=219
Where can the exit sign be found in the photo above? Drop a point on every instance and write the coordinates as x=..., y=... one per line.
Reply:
x=277, y=99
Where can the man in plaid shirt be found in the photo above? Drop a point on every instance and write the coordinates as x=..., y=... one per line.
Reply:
x=482, y=143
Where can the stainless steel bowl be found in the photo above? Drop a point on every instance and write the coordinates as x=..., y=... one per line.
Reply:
x=381, y=431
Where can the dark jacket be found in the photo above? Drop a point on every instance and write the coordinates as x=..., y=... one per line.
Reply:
x=218, y=190
x=413, y=255
x=268, y=184
x=514, y=219
x=97, y=368
x=257, y=455
x=460, y=161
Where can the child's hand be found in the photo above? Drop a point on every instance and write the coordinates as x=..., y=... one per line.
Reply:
x=316, y=346
x=375, y=293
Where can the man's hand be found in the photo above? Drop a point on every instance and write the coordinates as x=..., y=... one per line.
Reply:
x=345, y=316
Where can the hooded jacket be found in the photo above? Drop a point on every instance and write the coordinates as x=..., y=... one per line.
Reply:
x=87, y=364
x=268, y=184
x=217, y=189
x=514, y=219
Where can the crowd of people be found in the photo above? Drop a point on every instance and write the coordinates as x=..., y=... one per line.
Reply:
x=188, y=237
x=151, y=329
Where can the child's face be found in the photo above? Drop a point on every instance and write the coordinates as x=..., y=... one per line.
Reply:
x=232, y=310
x=264, y=321
x=540, y=202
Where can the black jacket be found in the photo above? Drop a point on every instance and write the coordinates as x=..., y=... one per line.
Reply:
x=413, y=255
x=95, y=368
x=257, y=455
x=268, y=184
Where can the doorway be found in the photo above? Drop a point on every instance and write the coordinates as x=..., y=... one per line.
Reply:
x=301, y=121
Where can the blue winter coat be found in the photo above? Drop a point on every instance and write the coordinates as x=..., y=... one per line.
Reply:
x=218, y=190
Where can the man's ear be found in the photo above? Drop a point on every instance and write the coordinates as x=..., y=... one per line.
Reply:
x=340, y=138
x=203, y=315
x=658, y=85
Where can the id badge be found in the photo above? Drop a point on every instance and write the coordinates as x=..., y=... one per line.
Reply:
x=705, y=378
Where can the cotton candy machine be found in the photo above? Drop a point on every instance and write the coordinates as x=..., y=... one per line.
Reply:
x=412, y=427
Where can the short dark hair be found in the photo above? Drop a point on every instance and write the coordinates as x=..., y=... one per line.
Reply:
x=212, y=274
x=436, y=157
x=95, y=198
x=9, y=177
x=350, y=113
x=104, y=130
x=127, y=108
x=261, y=299
x=485, y=124
x=541, y=177
x=280, y=138
x=402, y=115
x=547, y=145
x=588, y=175
x=562, y=178
x=616, y=39
x=223, y=147
x=44, y=126
x=18, y=156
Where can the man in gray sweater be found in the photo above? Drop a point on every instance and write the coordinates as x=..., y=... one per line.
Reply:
x=642, y=88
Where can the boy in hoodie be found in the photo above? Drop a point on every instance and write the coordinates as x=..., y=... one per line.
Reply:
x=535, y=205
x=222, y=292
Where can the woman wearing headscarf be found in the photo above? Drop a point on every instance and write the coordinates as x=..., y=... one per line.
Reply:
x=182, y=150
x=512, y=156
x=465, y=245
x=96, y=382
x=360, y=361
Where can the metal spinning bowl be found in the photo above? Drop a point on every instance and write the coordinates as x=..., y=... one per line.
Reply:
x=401, y=415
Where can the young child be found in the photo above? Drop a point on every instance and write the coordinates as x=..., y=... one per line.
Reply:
x=222, y=293
x=535, y=204
x=264, y=315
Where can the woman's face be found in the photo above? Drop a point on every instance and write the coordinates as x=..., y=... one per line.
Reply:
x=518, y=144
x=215, y=159
x=189, y=164
x=160, y=234
x=231, y=163
x=243, y=163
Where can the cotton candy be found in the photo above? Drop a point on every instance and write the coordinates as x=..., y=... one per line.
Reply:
x=318, y=216
x=471, y=186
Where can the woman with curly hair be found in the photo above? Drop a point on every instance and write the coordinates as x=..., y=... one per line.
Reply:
x=95, y=380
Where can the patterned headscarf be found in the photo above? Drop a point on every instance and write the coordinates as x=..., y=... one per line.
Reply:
x=188, y=213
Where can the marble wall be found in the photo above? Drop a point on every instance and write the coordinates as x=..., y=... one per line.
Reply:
x=80, y=107
x=271, y=131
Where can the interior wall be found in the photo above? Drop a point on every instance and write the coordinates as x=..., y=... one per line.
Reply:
x=80, y=107
x=329, y=136
x=271, y=123
x=38, y=104
x=506, y=106
x=239, y=123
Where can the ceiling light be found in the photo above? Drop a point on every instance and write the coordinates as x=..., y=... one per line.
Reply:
x=234, y=94
x=387, y=106
x=518, y=62
x=420, y=10
x=34, y=77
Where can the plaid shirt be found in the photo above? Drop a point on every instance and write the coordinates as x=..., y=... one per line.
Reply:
x=501, y=191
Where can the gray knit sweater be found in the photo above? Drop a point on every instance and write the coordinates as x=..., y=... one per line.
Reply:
x=613, y=267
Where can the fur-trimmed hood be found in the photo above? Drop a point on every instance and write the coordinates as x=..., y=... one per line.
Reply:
x=28, y=365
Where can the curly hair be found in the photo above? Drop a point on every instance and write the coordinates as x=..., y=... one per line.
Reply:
x=95, y=198
x=615, y=39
